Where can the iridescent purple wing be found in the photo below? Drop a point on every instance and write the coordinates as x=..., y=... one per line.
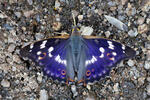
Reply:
x=102, y=55
x=50, y=54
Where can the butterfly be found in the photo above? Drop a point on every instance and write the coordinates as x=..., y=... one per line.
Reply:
x=76, y=58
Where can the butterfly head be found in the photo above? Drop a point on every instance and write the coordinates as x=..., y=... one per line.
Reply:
x=76, y=31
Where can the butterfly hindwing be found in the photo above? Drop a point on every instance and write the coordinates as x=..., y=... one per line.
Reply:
x=50, y=54
x=102, y=55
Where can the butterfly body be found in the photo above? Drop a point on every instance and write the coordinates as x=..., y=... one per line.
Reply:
x=89, y=58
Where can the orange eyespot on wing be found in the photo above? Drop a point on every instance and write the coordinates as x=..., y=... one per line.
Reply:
x=42, y=56
x=111, y=56
x=88, y=73
x=63, y=72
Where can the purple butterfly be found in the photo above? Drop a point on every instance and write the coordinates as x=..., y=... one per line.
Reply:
x=89, y=58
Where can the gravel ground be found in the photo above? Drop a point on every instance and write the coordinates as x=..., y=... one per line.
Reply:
x=26, y=21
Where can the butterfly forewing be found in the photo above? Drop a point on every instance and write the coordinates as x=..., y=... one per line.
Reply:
x=50, y=54
x=102, y=55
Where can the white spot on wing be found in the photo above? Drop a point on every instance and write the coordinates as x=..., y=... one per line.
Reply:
x=50, y=50
x=109, y=42
x=39, y=52
x=59, y=60
x=31, y=46
x=101, y=49
x=104, y=71
x=114, y=53
x=123, y=47
x=48, y=72
x=110, y=45
x=100, y=74
x=92, y=60
x=102, y=55
x=45, y=69
x=43, y=44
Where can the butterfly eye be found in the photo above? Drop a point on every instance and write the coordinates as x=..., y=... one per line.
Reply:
x=42, y=56
x=88, y=73
x=63, y=72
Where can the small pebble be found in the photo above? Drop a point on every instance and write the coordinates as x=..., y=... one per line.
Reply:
x=148, y=21
x=148, y=55
x=107, y=33
x=11, y=47
x=74, y=90
x=147, y=65
x=141, y=80
x=148, y=89
x=43, y=95
x=39, y=36
x=39, y=78
x=57, y=4
x=90, y=96
x=57, y=17
x=148, y=79
x=86, y=30
x=18, y=14
x=147, y=45
x=116, y=23
x=140, y=20
x=2, y=16
x=133, y=33
x=16, y=59
x=88, y=87
x=30, y=2
x=7, y=27
x=13, y=68
x=56, y=26
x=5, y=83
x=142, y=28
x=32, y=84
x=80, y=17
x=28, y=13
x=130, y=63
x=116, y=88
x=123, y=2
x=38, y=18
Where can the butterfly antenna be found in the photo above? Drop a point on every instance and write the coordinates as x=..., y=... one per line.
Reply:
x=74, y=21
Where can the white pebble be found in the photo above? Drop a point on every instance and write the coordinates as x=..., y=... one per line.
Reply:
x=74, y=90
x=43, y=95
x=148, y=89
x=39, y=78
x=80, y=17
x=28, y=13
x=30, y=2
x=133, y=33
x=18, y=14
x=116, y=88
x=116, y=23
x=57, y=4
x=5, y=83
x=86, y=30
x=147, y=65
x=130, y=63
x=88, y=87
